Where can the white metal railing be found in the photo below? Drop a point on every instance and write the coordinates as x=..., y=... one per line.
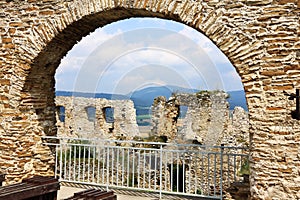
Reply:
x=165, y=168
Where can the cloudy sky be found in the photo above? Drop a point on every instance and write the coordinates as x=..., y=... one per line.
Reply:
x=131, y=54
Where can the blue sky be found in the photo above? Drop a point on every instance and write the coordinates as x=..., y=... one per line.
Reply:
x=131, y=54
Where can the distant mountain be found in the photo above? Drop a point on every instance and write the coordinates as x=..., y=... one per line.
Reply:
x=92, y=95
x=145, y=96
x=237, y=98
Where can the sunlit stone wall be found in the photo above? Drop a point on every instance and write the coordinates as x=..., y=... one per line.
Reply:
x=208, y=120
x=78, y=122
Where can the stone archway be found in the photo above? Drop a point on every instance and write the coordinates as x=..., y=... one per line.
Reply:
x=260, y=38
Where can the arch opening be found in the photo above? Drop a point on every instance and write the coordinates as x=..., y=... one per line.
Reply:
x=53, y=66
x=129, y=64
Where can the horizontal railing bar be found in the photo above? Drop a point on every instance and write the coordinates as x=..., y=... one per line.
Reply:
x=150, y=149
x=139, y=142
x=51, y=144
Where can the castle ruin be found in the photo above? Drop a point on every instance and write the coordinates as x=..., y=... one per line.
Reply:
x=95, y=118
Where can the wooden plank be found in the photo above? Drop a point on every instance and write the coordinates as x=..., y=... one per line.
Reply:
x=93, y=194
x=112, y=197
x=30, y=188
x=40, y=180
x=14, y=187
x=103, y=195
x=28, y=192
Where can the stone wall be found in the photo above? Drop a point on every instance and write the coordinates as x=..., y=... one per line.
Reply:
x=207, y=121
x=164, y=117
x=237, y=131
x=78, y=124
x=259, y=37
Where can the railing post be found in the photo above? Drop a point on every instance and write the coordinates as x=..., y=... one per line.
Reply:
x=56, y=160
x=160, y=173
x=60, y=160
x=221, y=171
x=107, y=169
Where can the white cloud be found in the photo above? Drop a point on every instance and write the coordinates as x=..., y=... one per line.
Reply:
x=232, y=81
x=155, y=75
x=113, y=56
x=70, y=63
x=78, y=54
x=206, y=44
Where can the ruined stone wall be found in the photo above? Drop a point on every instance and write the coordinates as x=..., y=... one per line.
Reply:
x=237, y=129
x=208, y=119
x=78, y=124
x=260, y=38
x=164, y=117
x=207, y=116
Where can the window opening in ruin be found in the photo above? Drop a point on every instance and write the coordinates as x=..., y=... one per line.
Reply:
x=182, y=111
x=143, y=115
x=91, y=113
x=109, y=114
x=61, y=113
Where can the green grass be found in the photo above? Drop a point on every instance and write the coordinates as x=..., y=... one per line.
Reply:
x=143, y=107
x=139, y=117
x=245, y=169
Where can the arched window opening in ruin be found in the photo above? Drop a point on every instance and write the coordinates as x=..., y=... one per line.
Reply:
x=108, y=113
x=61, y=112
x=91, y=113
